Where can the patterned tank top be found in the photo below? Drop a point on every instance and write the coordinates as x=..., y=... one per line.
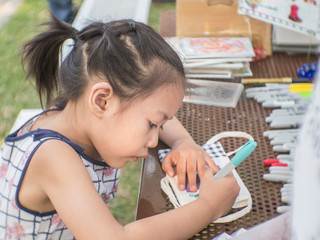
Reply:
x=17, y=222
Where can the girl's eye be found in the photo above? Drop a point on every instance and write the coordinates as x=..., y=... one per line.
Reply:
x=152, y=125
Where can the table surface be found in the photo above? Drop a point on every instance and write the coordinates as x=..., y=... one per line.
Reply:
x=202, y=122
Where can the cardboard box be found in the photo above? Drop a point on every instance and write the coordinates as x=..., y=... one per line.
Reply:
x=220, y=18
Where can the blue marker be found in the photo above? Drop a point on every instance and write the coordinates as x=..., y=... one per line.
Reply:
x=241, y=155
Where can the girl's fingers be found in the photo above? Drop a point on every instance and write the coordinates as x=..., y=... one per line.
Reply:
x=167, y=166
x=201, y=164
x=181, y=172
x=211, y=164
x=192, y=174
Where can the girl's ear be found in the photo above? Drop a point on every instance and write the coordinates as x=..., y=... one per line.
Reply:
x=100, y=95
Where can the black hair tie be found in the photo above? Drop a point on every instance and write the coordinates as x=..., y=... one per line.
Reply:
x=132, y=26
x=75, y=34
x=104, y=28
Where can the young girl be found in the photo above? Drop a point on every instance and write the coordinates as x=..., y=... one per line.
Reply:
x=107, y=103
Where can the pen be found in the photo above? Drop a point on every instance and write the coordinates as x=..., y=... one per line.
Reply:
x=278, y=96
x=267, y=86
x=252, y=94
x=292, y=109
x=290, y=145
x=273, y=104
x=281, y=170
x=286, y=189
x=286, y=103
x=280, y=148
x=283, y=209
x=286, y=199
x=276, y=137
x=276, y=134
x=288, y=111
x=280, y=87
x=280, y=132
x=296, y=119
x=277, y=115
x=299, y=105
x=276, y=177
x=303, y=89
x=288, y=157
x=285, y=136
x=242, y=154
x=287, y=194
x=279, y=141
x=274, y=80
x=287, y=186
x=289, y=123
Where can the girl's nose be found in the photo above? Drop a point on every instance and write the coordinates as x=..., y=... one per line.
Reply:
x=153, y=140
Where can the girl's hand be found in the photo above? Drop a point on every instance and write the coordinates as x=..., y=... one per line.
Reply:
x=189, y=158
x=218, y=194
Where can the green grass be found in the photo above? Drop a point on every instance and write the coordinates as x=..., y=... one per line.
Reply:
x=155, y=11
x=16, y=94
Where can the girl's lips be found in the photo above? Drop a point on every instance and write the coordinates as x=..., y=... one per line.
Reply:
x=135, y=159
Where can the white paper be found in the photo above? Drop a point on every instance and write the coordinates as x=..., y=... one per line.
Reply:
x=299, y=15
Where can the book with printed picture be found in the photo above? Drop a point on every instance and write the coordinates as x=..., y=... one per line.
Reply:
x=216, y=47
x=206, y=48
x=214, y=57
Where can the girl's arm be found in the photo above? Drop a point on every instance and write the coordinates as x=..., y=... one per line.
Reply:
x=186, y=154
x=69, y=187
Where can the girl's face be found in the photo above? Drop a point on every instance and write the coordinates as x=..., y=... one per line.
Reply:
x=128, y=134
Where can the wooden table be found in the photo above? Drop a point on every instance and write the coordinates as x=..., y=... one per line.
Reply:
x=203, y=122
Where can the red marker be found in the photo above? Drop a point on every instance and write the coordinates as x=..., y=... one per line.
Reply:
x=279, y=164
x=269, y=161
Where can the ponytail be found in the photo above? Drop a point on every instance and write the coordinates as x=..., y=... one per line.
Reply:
x=42, y=57
x=130, y=55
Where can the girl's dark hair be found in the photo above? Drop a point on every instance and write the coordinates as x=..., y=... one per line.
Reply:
x=130, y=55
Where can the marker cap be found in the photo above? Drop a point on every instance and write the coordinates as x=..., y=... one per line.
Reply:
x=244, y=152
x=269, y=161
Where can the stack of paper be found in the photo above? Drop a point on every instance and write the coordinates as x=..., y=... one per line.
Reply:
x=215, y=57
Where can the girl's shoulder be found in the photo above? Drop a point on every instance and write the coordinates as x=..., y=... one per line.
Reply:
x=55, y=151
x=56, y=160
x=46, y=168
